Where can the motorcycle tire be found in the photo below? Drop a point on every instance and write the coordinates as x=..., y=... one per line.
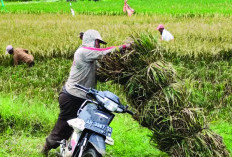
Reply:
x=91, y=152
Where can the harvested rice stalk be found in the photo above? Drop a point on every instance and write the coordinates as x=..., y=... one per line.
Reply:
x=162, y=103
x=149, y=80
x=204, y=143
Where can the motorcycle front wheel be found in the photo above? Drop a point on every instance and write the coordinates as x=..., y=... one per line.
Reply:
x=91, y=152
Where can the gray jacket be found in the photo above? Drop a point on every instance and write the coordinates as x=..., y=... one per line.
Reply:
x=83, y=70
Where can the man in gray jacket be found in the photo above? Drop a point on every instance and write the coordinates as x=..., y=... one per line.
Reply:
x=83, y=72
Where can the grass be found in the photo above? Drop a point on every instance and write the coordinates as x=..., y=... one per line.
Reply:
x=209, y=83
x=224, y=129
x=133, y=138
x=17, y=113
x=184, y=8
x=43, y=82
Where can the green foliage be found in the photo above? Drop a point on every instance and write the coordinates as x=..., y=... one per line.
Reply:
x=17, y=113
x=132, y=138
x=223, y=128
x=209, y=82
x=44, y=80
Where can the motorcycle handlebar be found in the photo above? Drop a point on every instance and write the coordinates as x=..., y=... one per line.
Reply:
x=92, y=91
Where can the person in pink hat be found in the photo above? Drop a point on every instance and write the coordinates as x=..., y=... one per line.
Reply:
x=165, y=35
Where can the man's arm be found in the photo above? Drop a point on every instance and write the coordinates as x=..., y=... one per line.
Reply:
x=98, y=53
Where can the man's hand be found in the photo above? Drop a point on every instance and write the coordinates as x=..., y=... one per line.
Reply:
x=126, y=46
x=128, y=43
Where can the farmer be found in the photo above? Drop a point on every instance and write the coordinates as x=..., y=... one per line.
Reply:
x=83, y=72
x=127, y=8
x=165, y=35
x=20, y=55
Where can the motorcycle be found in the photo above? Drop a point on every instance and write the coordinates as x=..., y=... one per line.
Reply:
x=91, y=127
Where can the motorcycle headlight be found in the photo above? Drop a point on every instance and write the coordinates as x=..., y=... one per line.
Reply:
x=110, y=105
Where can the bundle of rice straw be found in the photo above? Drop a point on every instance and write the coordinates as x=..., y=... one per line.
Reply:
x=161, y=100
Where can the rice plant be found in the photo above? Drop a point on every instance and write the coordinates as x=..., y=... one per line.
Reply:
x=192, y=74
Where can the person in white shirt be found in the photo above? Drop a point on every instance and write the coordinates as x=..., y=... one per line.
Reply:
x=165, y=35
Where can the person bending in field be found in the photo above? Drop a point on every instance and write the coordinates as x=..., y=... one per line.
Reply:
x=83, y=72
x=20, y=55
x=165, y=35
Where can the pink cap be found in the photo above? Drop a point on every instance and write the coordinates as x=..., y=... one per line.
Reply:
x=160, y=26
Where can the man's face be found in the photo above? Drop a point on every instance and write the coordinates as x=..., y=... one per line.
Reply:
x=97, y=43
x=81, y=35
x=11, y=51
x=161, y=30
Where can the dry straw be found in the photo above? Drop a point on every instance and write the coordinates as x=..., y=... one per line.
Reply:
x=161, y=100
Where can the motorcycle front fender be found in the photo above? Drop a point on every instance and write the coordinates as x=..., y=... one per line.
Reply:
x=98, y=143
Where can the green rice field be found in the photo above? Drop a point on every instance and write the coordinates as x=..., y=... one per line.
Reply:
x=201, y=55
x=185, y=8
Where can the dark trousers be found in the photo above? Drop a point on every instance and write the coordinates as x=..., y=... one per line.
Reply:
x=69, y=106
